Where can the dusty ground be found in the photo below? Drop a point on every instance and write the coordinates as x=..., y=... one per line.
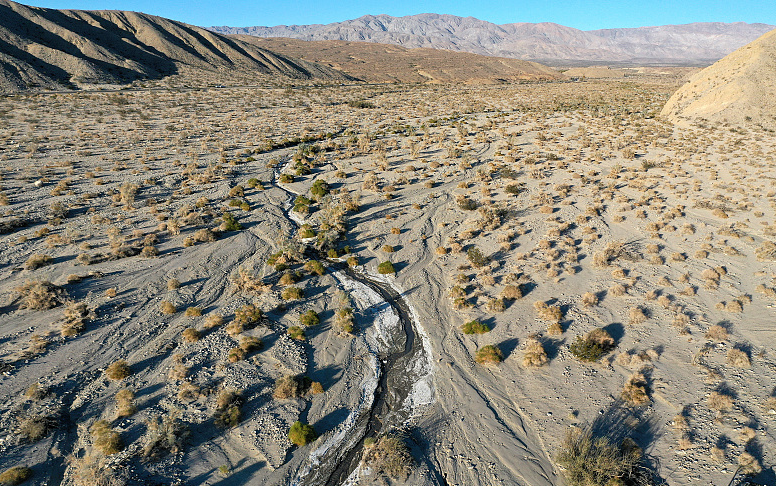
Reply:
x=565, y=188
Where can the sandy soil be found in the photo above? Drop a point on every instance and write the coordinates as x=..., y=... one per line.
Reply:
x=575, y=188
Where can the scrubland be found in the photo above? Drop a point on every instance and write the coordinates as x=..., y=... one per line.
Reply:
x=581, y=267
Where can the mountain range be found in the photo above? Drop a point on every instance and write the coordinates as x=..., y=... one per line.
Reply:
x=548, y=43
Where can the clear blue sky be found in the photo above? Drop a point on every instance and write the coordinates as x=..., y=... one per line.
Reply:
x=582, y=14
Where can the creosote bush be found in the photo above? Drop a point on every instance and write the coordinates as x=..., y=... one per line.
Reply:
x=385, y=268
x=475, y=327
x=301, y=434
x=309, y=318
x=594, y=345
x=292, y=293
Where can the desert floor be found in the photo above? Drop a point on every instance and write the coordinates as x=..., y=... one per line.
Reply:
x=544, y=211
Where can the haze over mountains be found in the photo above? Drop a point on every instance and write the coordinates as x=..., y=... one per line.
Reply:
x=55, y=48
x=690, y=44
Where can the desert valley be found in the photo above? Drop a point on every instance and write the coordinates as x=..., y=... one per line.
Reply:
x=231, y=260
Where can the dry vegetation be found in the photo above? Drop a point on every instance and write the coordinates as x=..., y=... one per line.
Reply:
x=157, y=290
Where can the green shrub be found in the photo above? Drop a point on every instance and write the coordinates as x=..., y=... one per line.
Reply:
x=291, y=293
x=595, y=461
x=301, y=434
x=229, y=222
x=309, y=318
x=286, y=178
x=489, y=354
x=320, y=188
x=247, y=314
x=15, y=475
x=306, y=231
x=475, y=327
x=476, y=258
x=594, y=345
x=385, y=268
x=314, y=267
x=296, y=332
x=254, y=183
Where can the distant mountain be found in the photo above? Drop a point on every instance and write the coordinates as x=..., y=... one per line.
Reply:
x=548, y=43
x=381, y=63
x=51, y=48
x=739, y=89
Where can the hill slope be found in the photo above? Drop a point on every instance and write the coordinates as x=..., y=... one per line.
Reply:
x=739, y=88
x=51, y=48
x=697, y=43
x=389, y=63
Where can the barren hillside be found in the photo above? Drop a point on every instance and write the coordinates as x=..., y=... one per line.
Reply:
x=738, y=89
x=54, y=48
x=390, y=63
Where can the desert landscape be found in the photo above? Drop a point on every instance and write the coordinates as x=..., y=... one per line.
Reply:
x=304, y=275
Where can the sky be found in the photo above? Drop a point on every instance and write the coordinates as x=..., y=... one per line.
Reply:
x=581, y=14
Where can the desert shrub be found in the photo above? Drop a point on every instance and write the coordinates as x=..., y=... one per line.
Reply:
x=250, y=343
x=388, y=456
x=595, y=461
x=738, y=357
x=496, y=305
x=315, y=267
x=248, y=283
x=168, y=307
x=75, y=316
x=213, y=320
x=286, y=178
x=15, y=475
x=193, y=312
x=228, y=413
x=534, y=354
x=190, y=335
x=38, y=260
x=385, y=268
x=636, y=315
x=173, y=284
x=720, y=402
x=301, y=434
x=306, y=231
x=235, y=354
x=247, y=315
x=296, y=332
x=118, y=370
x=229, y=223
x=40, y=295
x=319, y=189
x=476, y=258
x=550, y=313
x=635, y=390
x=291, y=386
x=125, y=403
x=106, y=440
x=589, y=299
x=466, y=204
x=291, y=293
x=474, y=327
x=594, y=345
x=512, y=292
x=309, y=318
x=344, y=320
x=489, y=354
x=165, y=436
x=32, y=428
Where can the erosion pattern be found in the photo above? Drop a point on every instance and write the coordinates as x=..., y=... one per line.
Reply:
x=50, y=48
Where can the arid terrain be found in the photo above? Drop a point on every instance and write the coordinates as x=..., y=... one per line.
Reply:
x=421, y=284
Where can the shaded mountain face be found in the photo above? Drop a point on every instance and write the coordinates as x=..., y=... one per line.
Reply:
x=690, y=44
x=381, y=63
x=739, y=89
x=54, y=48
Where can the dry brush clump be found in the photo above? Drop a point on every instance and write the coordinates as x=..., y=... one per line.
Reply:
x=534, y=355
x=596, y=461
x=595, y=344
x=388, y=456
x=40, y=295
